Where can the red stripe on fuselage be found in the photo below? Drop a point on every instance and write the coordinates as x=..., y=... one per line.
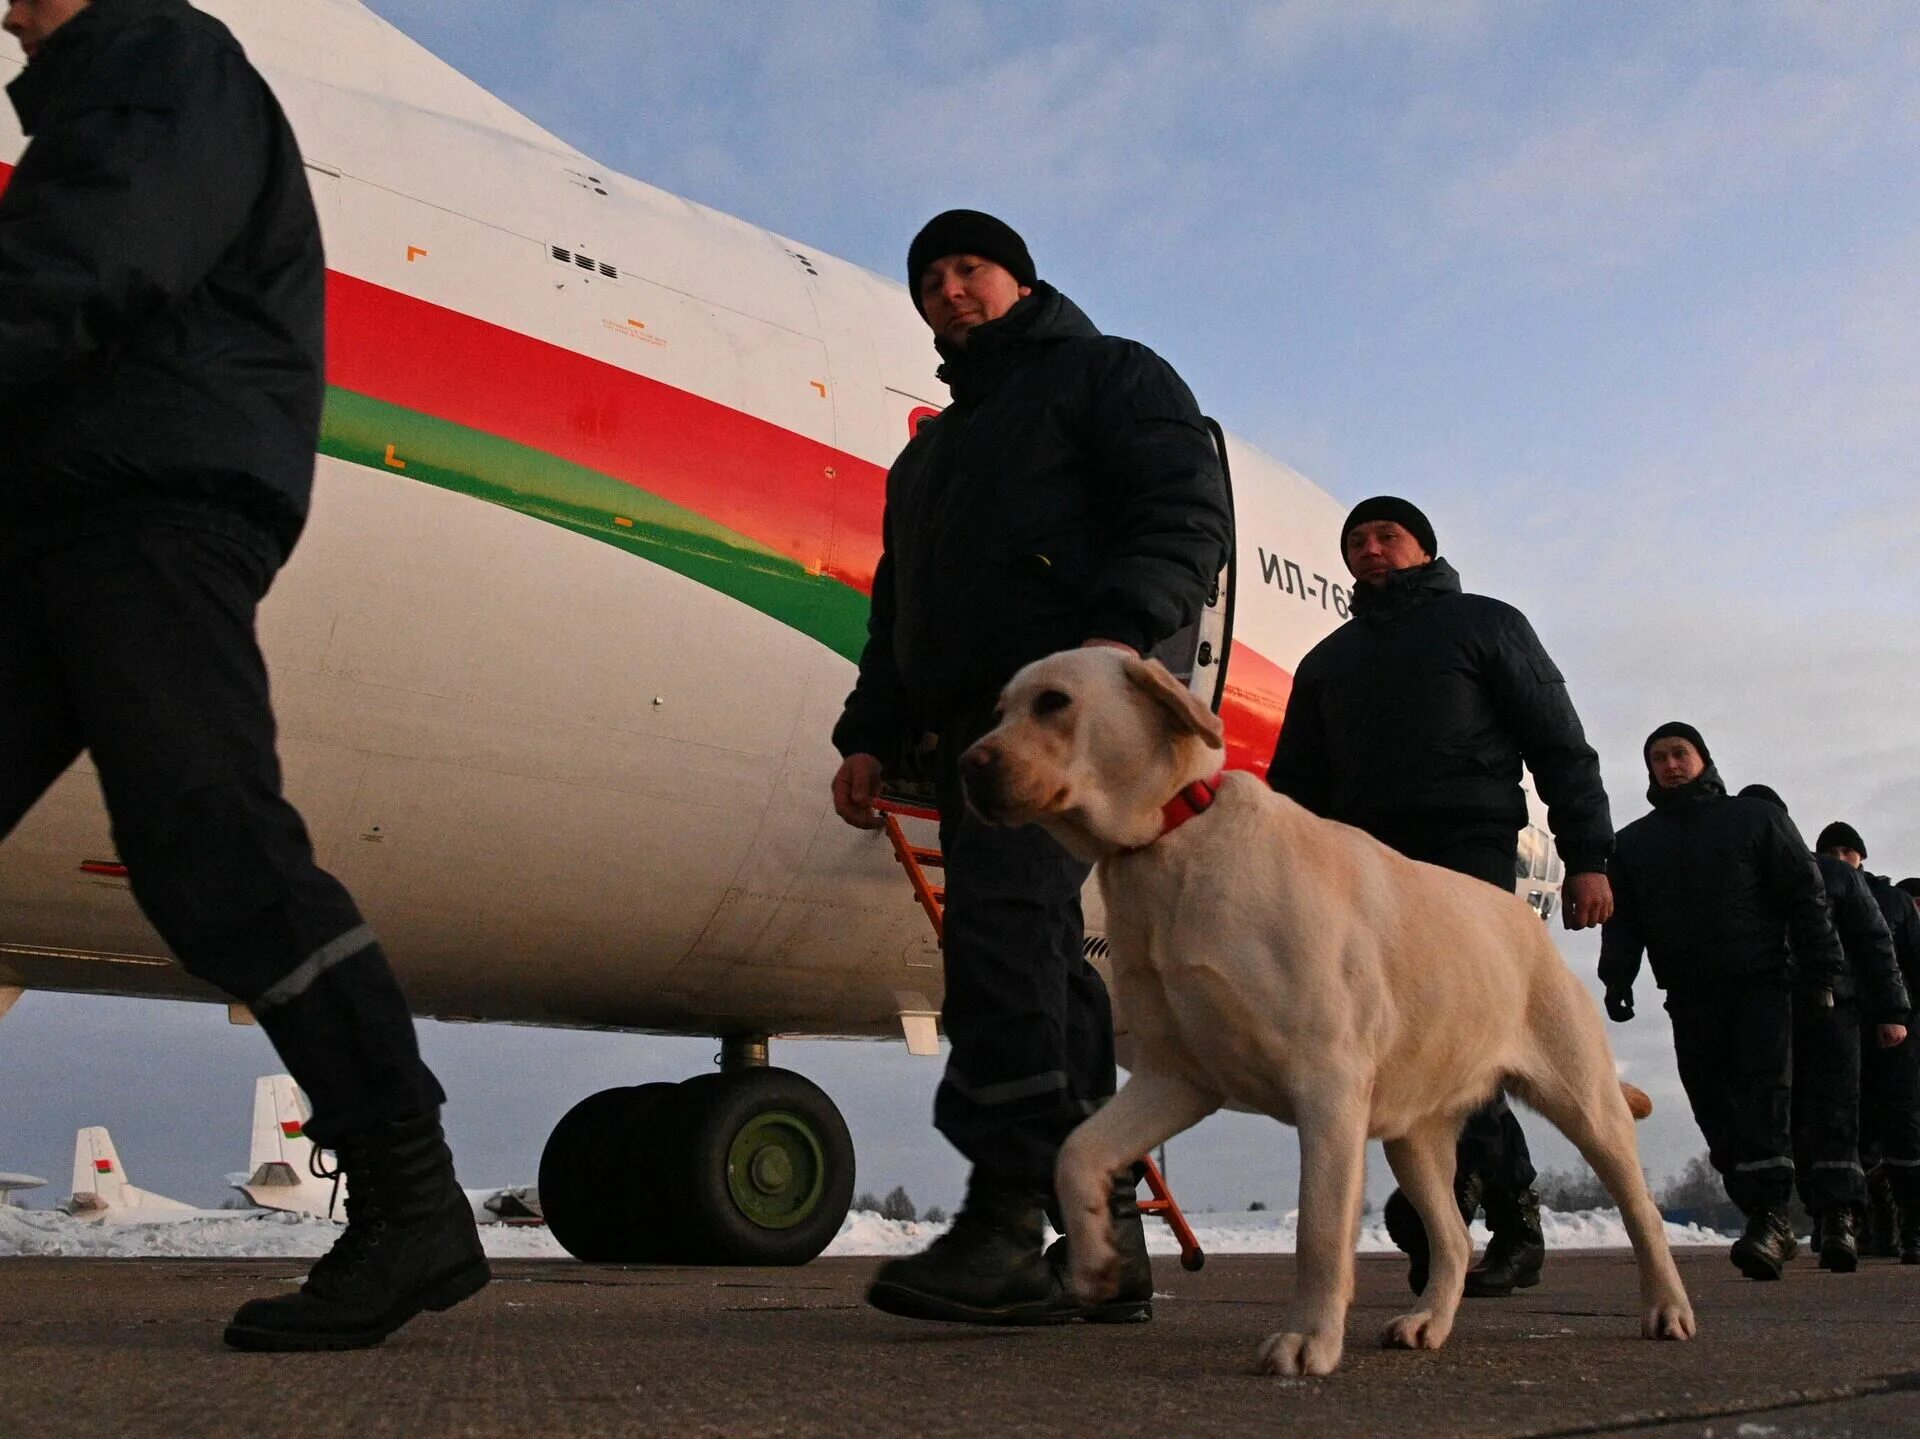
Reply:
x=751, y=476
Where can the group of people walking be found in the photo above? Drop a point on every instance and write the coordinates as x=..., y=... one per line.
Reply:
x=161, y=378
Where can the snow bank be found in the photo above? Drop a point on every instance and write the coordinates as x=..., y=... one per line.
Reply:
x=263, y=1234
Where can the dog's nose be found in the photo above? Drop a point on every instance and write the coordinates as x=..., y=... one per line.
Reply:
x=980, y=760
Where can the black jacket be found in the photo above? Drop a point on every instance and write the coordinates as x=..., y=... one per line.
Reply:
x=1422, y=708
x=1070, y=492
x=161, y=285
x=1711, y=886
x=1873, y=973
x=1903, y=918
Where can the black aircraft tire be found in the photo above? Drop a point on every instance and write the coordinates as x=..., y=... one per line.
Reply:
x=763, y=1168
x=599, y=1172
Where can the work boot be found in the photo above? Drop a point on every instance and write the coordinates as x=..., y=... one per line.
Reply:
x=1836, y=1243
x=410, y=1244
x=1133, y=1303
x=1514, y=1253
x=987, y=1268
x=1766, y=1246
x=1410, y=1235
x=1881, y=1230
x=1909, y=1237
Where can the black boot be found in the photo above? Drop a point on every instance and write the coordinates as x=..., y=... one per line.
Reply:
x=1909, y=1236
x=987, y=1269
x=410, y=1244
x=1133, y=1303
x=1514, y=1254
x=1405, y=1229
x=1837, y=1246
x=1766, y=1246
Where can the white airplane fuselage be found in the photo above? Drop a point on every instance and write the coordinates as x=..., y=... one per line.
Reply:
x=596, y=511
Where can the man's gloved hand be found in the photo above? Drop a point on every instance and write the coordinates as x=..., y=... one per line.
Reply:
x=1620, y=1005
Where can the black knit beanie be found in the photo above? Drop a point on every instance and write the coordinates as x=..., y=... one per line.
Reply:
x=1911, y=886
x=1841, y=835
x=1402, y=512
x=967, y=232
x=1675, y=729
x=1765, y=792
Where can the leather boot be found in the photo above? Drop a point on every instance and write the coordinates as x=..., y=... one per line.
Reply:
x=410, y=1244
x=1133, y=1304
x=987, y=1268
x=1406, y=1231
x=1837, y=1245
x=1763, y=1250
x=1514, y=1253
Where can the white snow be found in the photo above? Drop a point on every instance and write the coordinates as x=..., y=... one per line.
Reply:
x=257, y=1234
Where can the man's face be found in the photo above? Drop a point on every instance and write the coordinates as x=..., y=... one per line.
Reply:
x=1673, y=762
x=1376, y=548
x=1840, y=851
x=31, y=21
x=958, y=292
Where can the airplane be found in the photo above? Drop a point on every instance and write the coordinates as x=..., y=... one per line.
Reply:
x=11, y=1183
x=101, y=1188
x=281, y=1173
x=595, y=520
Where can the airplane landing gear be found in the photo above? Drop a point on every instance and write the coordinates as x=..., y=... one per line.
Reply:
x=753, y=1165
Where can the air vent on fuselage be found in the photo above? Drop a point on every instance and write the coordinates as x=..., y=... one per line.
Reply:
x=584, y=262
x=1095, y=946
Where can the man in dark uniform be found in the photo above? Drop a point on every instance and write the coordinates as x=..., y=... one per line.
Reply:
x=1827, y=1042
x=1412, y=721
x=1889, y=1077
x=1723, y=897
x=161, y=290
x=1070, y=495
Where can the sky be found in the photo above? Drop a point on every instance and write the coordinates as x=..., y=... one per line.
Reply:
x=1625, y=296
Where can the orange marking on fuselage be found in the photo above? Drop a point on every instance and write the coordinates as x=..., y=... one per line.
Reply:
x=394, y=463
x=414, y=252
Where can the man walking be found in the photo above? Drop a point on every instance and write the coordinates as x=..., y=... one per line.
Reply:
x=1827, y=1042
x=1070, y=495
x=161, y=288
x=1890, y=1076
x=1712, y=889
x=1412, y=721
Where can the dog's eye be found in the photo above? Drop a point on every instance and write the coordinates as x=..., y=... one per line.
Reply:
x=1049, y=702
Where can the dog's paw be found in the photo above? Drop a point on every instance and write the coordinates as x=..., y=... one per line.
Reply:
x=1668, y=1321
x=1299, y=1354
x=1094, y=1278
x=1419, y=1330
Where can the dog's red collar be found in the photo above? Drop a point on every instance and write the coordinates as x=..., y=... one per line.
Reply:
x=1195, y=799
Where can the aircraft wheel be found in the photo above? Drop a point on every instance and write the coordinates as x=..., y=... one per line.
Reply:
x=596, y=1171
x=765, y=1168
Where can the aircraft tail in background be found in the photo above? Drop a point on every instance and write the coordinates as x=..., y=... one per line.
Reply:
x=280, y=1171
x=100, y=1184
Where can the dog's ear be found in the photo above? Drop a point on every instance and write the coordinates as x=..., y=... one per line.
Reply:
x=1180, y=706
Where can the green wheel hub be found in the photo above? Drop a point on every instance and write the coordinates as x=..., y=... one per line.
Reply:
x=776, y=1170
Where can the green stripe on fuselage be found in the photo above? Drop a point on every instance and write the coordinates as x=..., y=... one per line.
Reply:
x=359, y=429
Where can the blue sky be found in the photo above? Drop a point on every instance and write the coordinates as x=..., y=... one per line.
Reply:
x=1627, y=296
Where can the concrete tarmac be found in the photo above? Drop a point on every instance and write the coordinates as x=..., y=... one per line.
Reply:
x=132, y=1347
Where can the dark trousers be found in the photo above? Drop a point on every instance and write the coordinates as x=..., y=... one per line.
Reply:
x=1734, y=1044
x=138, y=646
x=1492, y=1146
x=1028, y=1018
x=1826, y=1102
x=1890, y=1113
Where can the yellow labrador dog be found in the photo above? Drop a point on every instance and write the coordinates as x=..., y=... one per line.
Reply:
x=1282, y=962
